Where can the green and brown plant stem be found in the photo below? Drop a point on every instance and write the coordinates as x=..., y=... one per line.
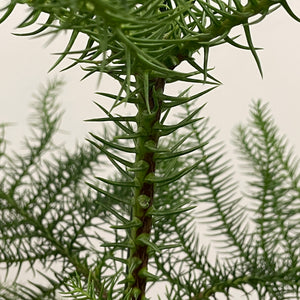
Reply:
x=147, y=117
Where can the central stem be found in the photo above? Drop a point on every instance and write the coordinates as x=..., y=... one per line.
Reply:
x=148, y=115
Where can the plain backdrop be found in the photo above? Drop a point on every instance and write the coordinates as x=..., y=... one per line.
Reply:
x=25, y=63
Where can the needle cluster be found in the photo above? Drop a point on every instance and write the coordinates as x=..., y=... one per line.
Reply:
x=58, y=210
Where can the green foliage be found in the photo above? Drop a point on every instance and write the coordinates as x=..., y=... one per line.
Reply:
x=145, y=218
x=49, y=220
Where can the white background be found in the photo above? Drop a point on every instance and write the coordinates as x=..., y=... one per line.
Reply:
x=25, y=63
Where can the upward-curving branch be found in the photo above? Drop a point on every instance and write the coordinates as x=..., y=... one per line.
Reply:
x=140, y=44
